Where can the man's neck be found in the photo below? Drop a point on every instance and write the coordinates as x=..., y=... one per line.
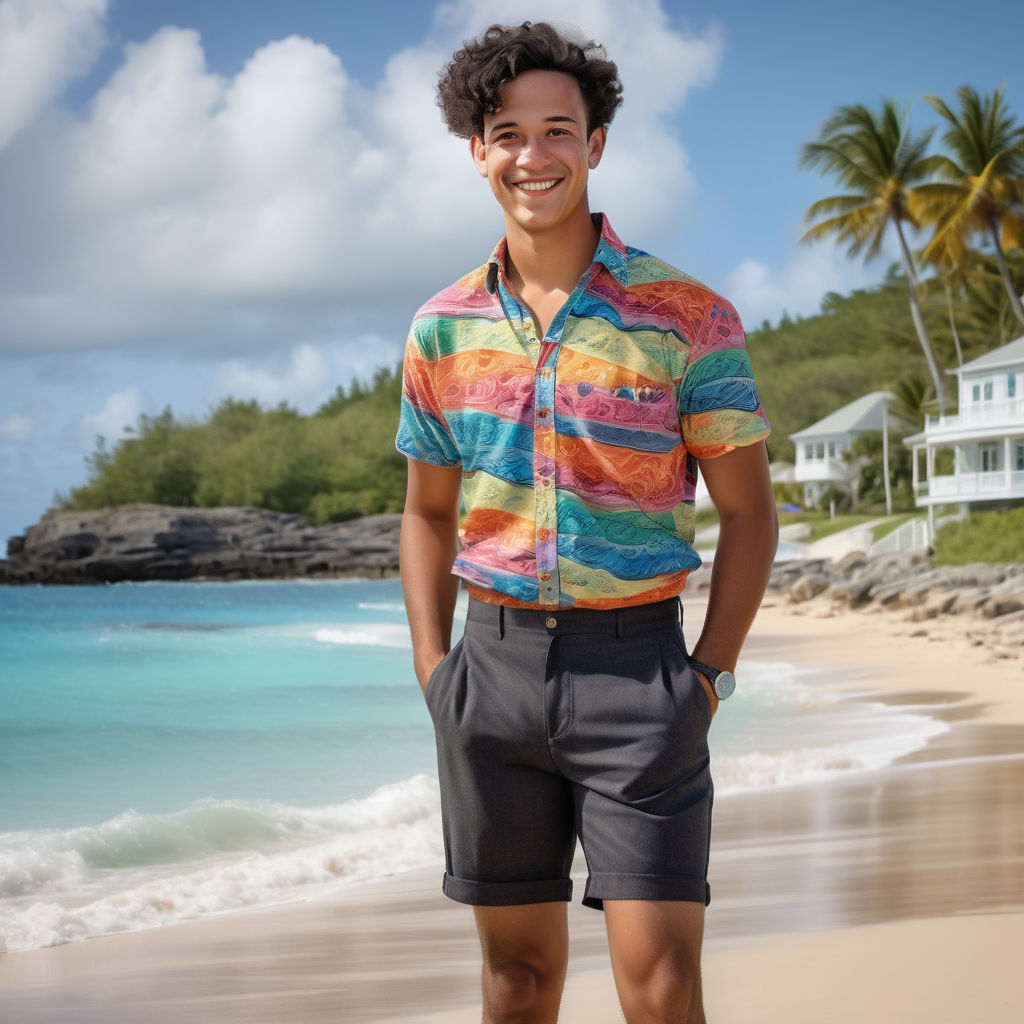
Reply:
x=550, y=261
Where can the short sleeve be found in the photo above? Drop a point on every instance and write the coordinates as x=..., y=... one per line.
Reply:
x=719, y=407
x=423, y=433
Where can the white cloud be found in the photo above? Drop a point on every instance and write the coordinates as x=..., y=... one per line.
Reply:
x=760, y=292
x=306, y=378
x=24, y=423
x=16, y=427
x=120, y=410
x=185, y=205
x=44, y=44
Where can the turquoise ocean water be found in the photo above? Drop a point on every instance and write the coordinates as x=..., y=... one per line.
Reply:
x=170, y=750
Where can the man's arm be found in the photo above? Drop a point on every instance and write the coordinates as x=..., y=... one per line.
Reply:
x=426, y=551
x=741, y=489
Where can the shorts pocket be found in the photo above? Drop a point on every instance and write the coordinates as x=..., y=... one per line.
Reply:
x=437, y=677
x=690, y=675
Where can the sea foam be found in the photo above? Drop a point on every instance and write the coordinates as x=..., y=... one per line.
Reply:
x=138, y=871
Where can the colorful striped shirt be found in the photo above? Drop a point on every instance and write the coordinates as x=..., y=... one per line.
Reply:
x=579, y=450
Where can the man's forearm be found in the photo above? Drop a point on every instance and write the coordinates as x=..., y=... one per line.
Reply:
x=427, y=549
x=739, y=577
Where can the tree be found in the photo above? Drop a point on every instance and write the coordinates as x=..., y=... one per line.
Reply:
x=881, y=163
x=911, y=398
x=981, y=193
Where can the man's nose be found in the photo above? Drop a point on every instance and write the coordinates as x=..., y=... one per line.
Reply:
x=532, y=152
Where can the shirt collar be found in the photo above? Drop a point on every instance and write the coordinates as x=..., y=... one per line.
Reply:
x=610, y=253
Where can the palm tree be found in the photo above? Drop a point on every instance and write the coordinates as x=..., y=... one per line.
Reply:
x=981, y=193
x=912, y=397
x=881, y=163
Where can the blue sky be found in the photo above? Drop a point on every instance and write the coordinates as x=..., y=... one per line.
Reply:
x=252, y=198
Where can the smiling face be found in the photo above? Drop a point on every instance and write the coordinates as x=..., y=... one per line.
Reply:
x=536, y=153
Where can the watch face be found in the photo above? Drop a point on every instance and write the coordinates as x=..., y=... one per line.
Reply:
x=725, y=684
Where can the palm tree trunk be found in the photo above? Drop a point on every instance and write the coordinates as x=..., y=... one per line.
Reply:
x=1004, y=272
x=952, y=324
x=922, y=332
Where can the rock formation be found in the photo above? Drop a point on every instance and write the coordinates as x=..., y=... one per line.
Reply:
x=160, y=542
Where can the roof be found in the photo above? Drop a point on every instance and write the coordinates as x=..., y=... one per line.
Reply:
x=864, y=413
x=1005, y=355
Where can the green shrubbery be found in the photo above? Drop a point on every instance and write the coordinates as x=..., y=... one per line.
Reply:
x=336, y=464
x=982, y=537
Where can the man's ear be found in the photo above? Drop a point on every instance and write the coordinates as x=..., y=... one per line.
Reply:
x=595, y=146
x=479, y=153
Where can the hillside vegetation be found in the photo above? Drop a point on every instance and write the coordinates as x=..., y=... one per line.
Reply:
x=340, y=461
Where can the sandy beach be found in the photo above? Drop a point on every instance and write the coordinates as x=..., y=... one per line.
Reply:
x=887, y=895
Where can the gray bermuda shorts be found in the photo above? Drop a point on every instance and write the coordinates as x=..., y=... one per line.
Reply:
x=553, y=725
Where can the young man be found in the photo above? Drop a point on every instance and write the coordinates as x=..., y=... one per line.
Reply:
x=567, y=392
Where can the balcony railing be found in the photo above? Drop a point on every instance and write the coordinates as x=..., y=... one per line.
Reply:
x=984, y=414
x=974, y=486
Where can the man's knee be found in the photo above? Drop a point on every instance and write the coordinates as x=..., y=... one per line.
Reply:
x=525, y=954
x=517, y=985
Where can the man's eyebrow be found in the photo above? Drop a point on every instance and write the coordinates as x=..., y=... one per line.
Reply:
x=554, y=119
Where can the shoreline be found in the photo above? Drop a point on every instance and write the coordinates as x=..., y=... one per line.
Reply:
x=862, y=863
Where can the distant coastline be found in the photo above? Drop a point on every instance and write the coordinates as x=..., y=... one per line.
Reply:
x=144, y=542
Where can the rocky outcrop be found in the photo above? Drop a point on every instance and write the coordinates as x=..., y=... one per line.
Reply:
x=160, y=542
x=984, y=601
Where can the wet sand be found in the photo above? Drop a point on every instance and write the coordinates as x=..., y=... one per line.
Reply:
x=892, y=895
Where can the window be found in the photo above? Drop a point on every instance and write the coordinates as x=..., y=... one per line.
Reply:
x=989, y=458
x=1011, y=385
x=976, y=393
x=988, y=391
x=808, y=451
x=819, y=450
x=1020, y=456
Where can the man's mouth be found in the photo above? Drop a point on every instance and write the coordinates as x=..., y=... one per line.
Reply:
x=537, y=186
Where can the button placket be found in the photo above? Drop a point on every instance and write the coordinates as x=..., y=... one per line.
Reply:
x=546, y=499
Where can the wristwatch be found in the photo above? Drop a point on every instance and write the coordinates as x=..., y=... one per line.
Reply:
x=723, y=682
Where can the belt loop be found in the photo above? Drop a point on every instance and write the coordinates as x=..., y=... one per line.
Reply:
x=618, y=623
x=501, y=622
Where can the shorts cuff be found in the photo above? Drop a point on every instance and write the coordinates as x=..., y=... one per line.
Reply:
x=601, y=887
x=506, y=894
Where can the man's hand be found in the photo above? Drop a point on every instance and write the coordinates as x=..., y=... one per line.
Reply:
x=425, y=667
x=713, y=698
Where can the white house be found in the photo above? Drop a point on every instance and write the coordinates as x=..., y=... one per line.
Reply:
x=977, y=455
x=821, y=446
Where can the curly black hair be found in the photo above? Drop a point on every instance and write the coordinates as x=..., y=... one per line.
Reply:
x=469, y=86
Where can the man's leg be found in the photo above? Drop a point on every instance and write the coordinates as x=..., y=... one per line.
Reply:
x=525, y=950
x=655, y=952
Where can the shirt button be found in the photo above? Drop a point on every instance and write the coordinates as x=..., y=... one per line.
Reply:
x=543, y=413
x=551, y=622
x=542, y=535
x=545, y=576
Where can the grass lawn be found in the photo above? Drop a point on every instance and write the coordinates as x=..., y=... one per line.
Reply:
x=821, y=525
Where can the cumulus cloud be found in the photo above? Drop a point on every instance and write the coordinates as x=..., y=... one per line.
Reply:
x=120, y=410
x=16, y=427
x=44, y=44
x=303, y=380
x=760, y=292
x=306, y=377
x=25, y=423
x=189, y=207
